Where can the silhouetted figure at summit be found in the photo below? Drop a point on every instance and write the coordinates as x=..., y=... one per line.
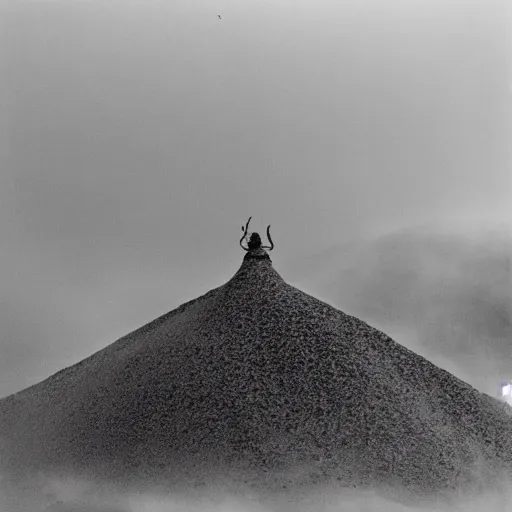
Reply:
x=254, y=241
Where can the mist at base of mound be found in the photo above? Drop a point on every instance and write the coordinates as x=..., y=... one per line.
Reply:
x=68, y=494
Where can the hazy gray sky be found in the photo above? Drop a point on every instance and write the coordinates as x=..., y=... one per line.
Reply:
x=137, y=136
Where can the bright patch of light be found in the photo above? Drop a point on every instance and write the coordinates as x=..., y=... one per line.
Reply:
x=506, y=390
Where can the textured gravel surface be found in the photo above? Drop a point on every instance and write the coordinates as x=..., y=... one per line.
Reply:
x=260, y=382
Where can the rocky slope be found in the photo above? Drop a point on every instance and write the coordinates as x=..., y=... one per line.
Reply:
x=257, y=381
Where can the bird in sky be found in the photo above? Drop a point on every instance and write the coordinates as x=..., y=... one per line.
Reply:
x=218, y=15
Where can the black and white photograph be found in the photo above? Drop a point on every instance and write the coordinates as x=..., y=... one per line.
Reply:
x=256, y=255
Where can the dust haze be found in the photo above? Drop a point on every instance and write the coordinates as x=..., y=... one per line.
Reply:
x=68, y=494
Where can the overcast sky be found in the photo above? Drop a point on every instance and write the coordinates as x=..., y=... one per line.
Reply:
x=137, y=137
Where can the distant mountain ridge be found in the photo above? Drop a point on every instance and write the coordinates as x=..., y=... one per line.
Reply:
x=442, y=290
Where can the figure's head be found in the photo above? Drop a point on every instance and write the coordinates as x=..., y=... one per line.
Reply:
x=254, y=242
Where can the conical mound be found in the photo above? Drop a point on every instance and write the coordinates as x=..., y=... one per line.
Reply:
x=260, y=380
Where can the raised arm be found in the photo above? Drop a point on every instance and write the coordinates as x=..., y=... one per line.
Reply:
x=245, y=234
x=271, y=246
